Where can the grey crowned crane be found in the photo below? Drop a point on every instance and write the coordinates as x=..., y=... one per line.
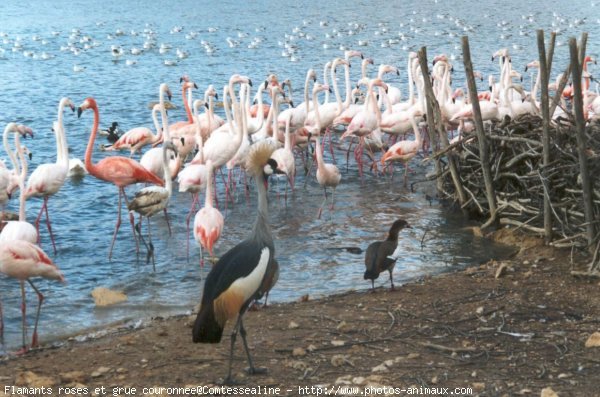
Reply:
x=377, y=257
x=240, y=276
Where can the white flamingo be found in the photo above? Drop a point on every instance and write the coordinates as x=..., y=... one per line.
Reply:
x=47, y=179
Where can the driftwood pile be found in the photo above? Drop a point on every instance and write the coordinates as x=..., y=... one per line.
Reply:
x=521, y=180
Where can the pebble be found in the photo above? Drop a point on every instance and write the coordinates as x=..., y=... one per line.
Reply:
x=593, y=340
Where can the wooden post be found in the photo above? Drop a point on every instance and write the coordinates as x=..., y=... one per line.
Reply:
x=576, y=69
x=437, y=131
x=544, y=74
x=481, y=138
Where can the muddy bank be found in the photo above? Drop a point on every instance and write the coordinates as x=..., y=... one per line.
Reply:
x=513, y=327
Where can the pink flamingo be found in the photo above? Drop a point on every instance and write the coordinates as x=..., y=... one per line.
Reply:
x=328, y=175
x=21, y=229
x=22, y=260
x=404, y=150
x=194, y=176
x=120, y=171
x=366, y=121
x=182, y=132
x=9, y=179
x=136, y=138
x=208, y=222
x=47, y=179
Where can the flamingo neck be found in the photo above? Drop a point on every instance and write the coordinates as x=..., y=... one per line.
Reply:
x=336, y=91
x=348, y=88
x=363, y=69
x=157, y=127
x=8, y=150
x=208, y=199
x=260, y=113
x=186, y=104
x=418, y=138
x=411, y=89
x=163, y=117
x=22, y=177
x=227, y=107
x=90, y=147
x=306, y=83
x=320, y=161
x=62, y=149
x=287, y=144
x=326, y=81
x=166, y=170
x=317, y=115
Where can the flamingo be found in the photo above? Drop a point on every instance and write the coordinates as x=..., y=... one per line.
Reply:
x=47, y=179
x=328, y=175
x=209, y=121
x=153, y=199
x=23, y=260
x=136, y=138
x=120, y=171
x=194, y=176
x=152, y=159
x=299, y=112
x=405, y=150
x=366, y=121
x=20, y=229
x=182, y=132
x=351, y=109
x=222, y=146
x=9, y=180
x=285, y=156
x=208, y=222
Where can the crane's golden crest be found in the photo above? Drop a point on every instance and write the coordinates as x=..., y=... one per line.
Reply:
x=258, y=156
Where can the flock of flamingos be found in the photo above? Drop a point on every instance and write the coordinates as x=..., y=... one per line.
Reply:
x=372, y=115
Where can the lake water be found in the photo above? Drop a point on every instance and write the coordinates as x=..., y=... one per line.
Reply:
x=41, y=45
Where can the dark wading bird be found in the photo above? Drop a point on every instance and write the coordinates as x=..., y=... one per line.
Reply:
x=377, y=257
x=240, y=276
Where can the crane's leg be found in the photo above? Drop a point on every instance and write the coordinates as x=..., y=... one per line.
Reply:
x=391, y=279
x=48, y=225
x=252, y=370
x=132, y=222
x=34, y=340
x=167, y=219
x=151, y=247
x=229, y=379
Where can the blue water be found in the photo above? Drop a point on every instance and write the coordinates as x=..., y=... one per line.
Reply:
x=84, y=212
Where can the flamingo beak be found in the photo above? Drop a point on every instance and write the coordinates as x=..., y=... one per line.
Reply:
x=169, y=95
x=195, y=86
x=72, y=107
x=30, y=156
x=217, y=96
x=265, y=86
x=250, y=82
x=292, y=103
x=79, y=111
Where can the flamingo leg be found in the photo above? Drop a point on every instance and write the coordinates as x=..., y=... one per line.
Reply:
x=37, y=223
x=112, y=244
x=322, y=204
x=48, y=225
x=348, y=152
x=23, y=317
x=187, y=223
x=34, y=340
x=405, y=174
x=149, y=247
x=328, y=133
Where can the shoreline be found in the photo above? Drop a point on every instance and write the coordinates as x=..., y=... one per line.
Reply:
x=513, y=326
